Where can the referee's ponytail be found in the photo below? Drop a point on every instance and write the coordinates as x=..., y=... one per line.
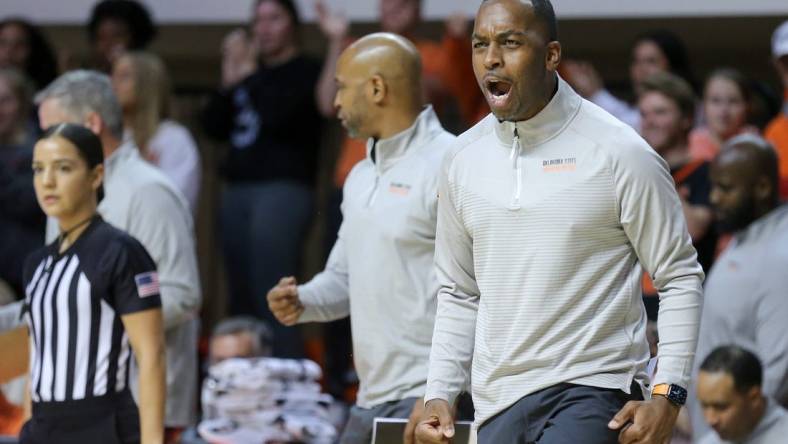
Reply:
x=87, y=143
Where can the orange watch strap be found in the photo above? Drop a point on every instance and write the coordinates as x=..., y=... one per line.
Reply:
x=660, y=389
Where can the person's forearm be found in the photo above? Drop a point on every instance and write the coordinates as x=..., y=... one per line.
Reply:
x=152, y=385
x=698, y=220
x=326, y=85
x=178, y=304
x=452, y=347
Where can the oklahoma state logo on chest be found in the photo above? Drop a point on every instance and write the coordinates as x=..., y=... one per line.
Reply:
x=399, y=188
x=559, y=165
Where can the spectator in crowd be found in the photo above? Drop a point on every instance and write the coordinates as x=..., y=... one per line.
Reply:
x=142, y=86
x=142, y=201
x=733, y=402
x=726, y=99
x=777, y=131
x=653, y=52
x=380, y=269
x=24, y=47
x=667, y=109
x=21, y=219
x=12, y=391
x=745, y=300
x=268, y=113
x=547, y=210
x=117, y=26
x=239, y=337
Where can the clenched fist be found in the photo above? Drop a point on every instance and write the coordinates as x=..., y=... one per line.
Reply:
x=284, y=303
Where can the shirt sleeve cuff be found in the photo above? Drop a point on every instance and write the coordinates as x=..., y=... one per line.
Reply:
x=310, y=314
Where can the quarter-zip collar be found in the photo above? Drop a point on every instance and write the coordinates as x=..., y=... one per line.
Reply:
x=546, y=124
x=389, y=151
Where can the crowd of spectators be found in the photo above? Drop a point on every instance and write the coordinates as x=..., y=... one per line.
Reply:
x=729, y=163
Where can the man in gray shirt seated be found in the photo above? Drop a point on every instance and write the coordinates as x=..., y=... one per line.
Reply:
x=745, y=301
x=729, y=390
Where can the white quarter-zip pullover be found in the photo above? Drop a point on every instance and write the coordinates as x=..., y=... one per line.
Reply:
x=543, y=228
x=380, y=270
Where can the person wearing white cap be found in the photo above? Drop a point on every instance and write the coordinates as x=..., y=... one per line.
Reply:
x=777, y=131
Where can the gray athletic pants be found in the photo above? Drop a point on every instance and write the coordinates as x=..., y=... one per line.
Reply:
x=561, y=414
x=359, y=425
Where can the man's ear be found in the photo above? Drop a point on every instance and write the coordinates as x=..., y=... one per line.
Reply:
x=753, y=394
x=553, y=56
x=764, y=189
x=376, y=89
x=94, y=123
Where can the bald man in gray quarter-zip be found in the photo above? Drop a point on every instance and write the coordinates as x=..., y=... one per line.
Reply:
x=380, y=271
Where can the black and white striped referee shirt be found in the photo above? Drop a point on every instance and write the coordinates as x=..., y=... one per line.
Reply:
x=74, y=301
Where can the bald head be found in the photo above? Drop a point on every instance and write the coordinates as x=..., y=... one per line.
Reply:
x=744, y=180
x=378, y=79
x=392, y=57
x=753, y=156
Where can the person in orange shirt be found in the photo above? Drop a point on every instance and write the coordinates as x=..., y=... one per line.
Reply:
x=726, y=98
x=777, y=131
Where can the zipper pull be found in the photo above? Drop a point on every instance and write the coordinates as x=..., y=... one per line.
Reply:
x=515, y=201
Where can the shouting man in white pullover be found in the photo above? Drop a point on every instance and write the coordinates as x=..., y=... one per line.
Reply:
x=380, y=271
x=549, y=209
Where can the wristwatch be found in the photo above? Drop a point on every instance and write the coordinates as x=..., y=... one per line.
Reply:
x=675, y=394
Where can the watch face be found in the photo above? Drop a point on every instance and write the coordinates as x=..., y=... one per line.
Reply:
x=677, y=394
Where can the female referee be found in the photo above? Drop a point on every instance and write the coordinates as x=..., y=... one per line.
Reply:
x=91, y=300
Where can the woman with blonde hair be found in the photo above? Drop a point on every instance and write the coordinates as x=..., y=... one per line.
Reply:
x=142, y=85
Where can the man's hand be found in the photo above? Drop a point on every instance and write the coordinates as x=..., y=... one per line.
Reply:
x=238, y=57
x=645, y=422
x=284, y=303
x=409, y=437
x=334, y=25
x=437, y=423
x=457, y=25
x=583, y=77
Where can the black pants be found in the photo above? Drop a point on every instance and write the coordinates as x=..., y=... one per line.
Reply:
x=111, y=419
x=561, y=414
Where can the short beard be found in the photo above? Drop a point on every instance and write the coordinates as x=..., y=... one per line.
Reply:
x=739, y=219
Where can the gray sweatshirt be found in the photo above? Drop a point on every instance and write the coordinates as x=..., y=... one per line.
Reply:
x=746, y=304
x=380, y=270
x=544, y=227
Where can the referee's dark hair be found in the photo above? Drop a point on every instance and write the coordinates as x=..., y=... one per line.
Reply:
x=88, y=145
x=544, y=12
x=131, y=13
x=743, y=366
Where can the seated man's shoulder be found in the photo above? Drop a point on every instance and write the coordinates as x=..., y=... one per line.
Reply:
x=710, y=438
x=778, y=431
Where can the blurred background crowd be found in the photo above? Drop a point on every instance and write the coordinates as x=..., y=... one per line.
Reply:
x=240, y=117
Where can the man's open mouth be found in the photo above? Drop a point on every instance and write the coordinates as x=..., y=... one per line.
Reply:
x=498, y=88
x=497, y=91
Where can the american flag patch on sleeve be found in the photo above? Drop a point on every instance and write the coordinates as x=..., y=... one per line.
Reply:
x=147, y=284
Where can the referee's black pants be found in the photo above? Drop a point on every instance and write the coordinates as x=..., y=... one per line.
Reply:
x=111, y=419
